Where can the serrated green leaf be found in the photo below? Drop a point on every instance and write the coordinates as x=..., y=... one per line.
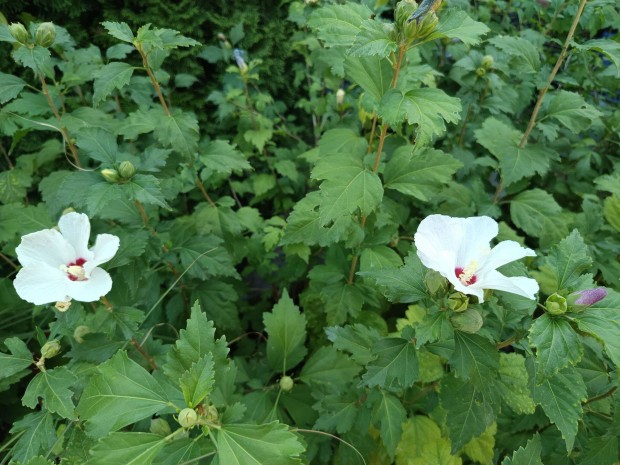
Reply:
x=468, y=412
x=145, y=188
x=570, y=109
x=221, y=157
x=557, y=344
x=396, y=364
x=141, y=122
x=513, y=383
x=456, y=24
x=338, y=25
x=600, y=451
x=205, y=256
x=178, y=131
x=99, y=196
x=342, y=140
x=36, y=58
x=429, y=108
x=18, y=360
x=267, y=444
x=14, y=184
x=609, y=47
x=53, y=387
x=127, y=448
x=568, y=260
x=403, y=285
x=328, y=366
x=602, y=320
x=475, y=358
x=38, y=435
x=286, y=328
x=379, y=257
x=524, y=52
x=357, y=339
x=342, y=300
x=420, y=175
x=194, y=343
x=391, y=414
x=121, y=393
x=481, y=449
x=115, y=75
x=347, y=187
x=528, y=455
x=100, y=145
x=373, y=74
x=515, y=162
x=538, y=214
x=560, y=397
x=197, y=382
x=611, y=211
x=10, y=87
x=373, y=39
x=182, y=450
x=338, y=412
x=121, y=30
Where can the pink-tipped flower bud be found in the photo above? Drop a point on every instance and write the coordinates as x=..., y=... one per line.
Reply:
x=580, y=300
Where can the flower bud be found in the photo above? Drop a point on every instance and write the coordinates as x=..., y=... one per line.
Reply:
x=458, y=301
x=286, y=383
x=80, y=332
x=556, y=305
x=580, y=300
x=110, y=175
x=469, y=321
x=340, y=93
x=126, y=170
x=160, y=426
x=19, y=32
x=211, y=415
x=50, y=349
x=188, y=418
x=63, y=306
x=481, y=72
x=67, y=210
x=487, y=62
x=45, y=35
x=434, y=281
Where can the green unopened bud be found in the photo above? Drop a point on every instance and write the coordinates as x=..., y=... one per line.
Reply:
x=286, y=383
x=469, y=321
x=19, y=32
x=50, y=349
x=80, y=332
x=160, y=426
x=126, y=169
x=45, y=35
x=434, y=281
x=458, y=301
x=340, y=93
x=110, y=175
x=481, y=72
x=487, y=62
x=211, y=415
x=556, y=304
x=188, y=418
x=404, y=10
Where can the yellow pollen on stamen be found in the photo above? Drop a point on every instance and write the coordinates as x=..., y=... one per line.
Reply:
x=75, y=271
x=468, y=272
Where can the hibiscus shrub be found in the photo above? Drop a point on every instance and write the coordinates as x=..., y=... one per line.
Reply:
x=414, y=261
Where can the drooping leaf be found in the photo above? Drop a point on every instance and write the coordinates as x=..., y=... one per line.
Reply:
x=266, y=444
x=121, y=393
x=127, y=448
x=286, y=328
x=17, y=361
x=421, y=174
x=53, y=387
x=10, y=87
x=390, y=414
x=560, y=398
x=557, y=345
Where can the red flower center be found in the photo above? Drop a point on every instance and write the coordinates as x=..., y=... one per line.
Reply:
x=467, y=280
x=75, y=270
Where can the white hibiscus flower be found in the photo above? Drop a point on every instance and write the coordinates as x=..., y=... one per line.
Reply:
x=458, y=248
x=59, y=266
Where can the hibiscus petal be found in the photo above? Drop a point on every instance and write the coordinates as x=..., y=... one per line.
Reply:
x=47, y=246
x=75, y=227
x=519, y=285
x=97, y=285
x=105, y=248
x=505, y=252
x=477, y=234
x=471, y=290
x=437, y=240
x=41, y=284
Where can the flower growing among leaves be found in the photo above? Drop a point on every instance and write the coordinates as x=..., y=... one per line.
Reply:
x=458, y=248
x=58, y=265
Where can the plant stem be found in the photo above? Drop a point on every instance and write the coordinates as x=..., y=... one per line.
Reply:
x=63, y=130
x=201, y=186
x=372, y=133
x=602, y=396
x=148, y=358
x=145, y=63
x=555, y=70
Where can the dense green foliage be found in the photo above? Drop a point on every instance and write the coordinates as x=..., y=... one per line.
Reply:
x=265, y=167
